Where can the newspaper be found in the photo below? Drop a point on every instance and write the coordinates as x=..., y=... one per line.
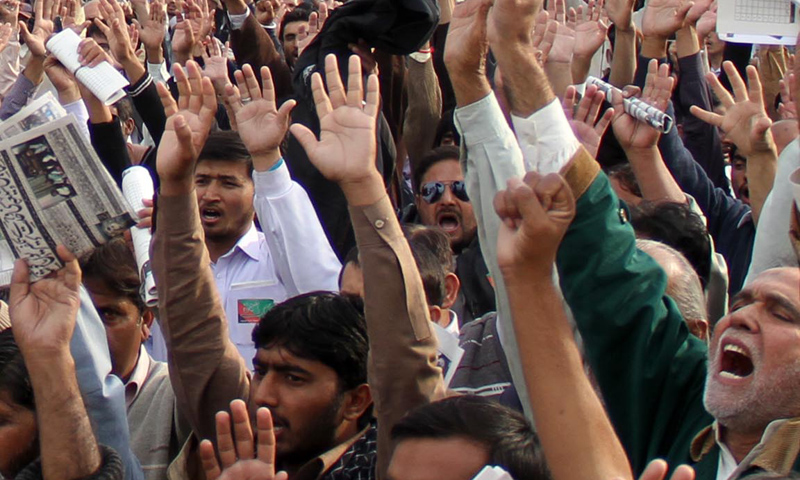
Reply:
x=43, y=110
x=54, y=190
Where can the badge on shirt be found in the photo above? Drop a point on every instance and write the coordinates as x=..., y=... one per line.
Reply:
x=251, y=310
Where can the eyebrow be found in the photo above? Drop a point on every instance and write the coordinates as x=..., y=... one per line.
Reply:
x=783, y=302
x=220, y=177
x=282, y=367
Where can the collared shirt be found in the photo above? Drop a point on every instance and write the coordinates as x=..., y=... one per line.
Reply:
x=453, y=327
x=775, y=453
x=248, y=286
x=139, y=375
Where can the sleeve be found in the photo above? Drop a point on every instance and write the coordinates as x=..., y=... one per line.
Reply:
x=147, y=102
x=424, y=109
x=402, y=370
x=701, y=139
x=651, y=371
x=252, y=45
x=205, y=368
x=492, y=158
x=17, y=97
x=109, y=143
x=78, y=109
x=546, y=139
x=304, y=258
x=158, y=71
x=102, y=392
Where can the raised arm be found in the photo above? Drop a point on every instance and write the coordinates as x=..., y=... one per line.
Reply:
x=402, y=371
x=623, y=61
x=206, y=370
x=303, y=256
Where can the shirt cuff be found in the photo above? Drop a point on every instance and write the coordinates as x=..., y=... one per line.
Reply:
x=274, y=182
x=158, y=71
x=478, y=122
x=546, y=138
x=237, y=20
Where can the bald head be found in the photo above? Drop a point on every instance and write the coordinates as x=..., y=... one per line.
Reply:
x=683, y=285
x=784, y=132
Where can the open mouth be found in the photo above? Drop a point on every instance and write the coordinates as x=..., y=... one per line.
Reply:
x=448, y=222
x=210, y=214
x=735, y=362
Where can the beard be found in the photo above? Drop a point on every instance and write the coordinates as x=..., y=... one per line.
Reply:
x=768, y=397
x=317, y=439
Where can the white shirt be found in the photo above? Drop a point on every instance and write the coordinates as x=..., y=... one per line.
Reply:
x=291, y=257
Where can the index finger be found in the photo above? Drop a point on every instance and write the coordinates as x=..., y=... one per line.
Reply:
x=265, y=435
x=737, y=83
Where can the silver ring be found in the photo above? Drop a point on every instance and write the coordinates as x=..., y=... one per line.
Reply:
x=246, y=100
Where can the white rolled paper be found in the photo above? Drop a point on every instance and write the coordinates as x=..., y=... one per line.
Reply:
x=137, y=185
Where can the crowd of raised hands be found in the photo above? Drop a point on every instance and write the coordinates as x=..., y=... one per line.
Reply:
x=623, y=299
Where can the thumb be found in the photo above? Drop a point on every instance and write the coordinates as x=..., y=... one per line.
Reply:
x=184, y=134
x=656, y=470
x=23, y=28
x=556, y=197
x=286, y=110
x=307, y=140
x=524, y=200
x=20, y=283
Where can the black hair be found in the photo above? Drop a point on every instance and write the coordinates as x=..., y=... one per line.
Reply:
x=226, y=146
x=114, y=265
x=14, y=378
x=124, y=108
x=507, y=435
x=676, y=225
x=351, y=257
x=438, y=154
x=434, y=258
x=299, y=14
x=322, y=326
x=623, y=173
x=446, y=125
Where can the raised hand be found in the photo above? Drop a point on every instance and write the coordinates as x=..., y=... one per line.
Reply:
x=43, y=313
x=536, y=214
x=199, y=18
x=657, y=470
x=261, y=125
x=5, y=34
x=512, y=21
x=662, y=18
x=788, y=106
x=590, y=30
x=215, y=59
x=745, y=122
x=347, y=146
x=584, y=120
x=467, y=44
x=44, y=11
x=183, y=40
x=237, y=449
x=620, y=13
x=315, y=23
x=115, y=29
x=188, y=123
x=707, y=23
x=267, y=10
x=631, y=133
x=9, y=12
x=152, y=30
x=563, y=45
x=696, y=11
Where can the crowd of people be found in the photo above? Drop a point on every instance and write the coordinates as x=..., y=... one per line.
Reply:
x=347, y=193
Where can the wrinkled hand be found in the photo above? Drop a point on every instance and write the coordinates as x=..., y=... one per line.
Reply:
x=662, y=18
x=620, y=13
x=590, y=30
x=631, y=133
x=564, y=39
x=261, y=125
x=188, y=123
x=536, y=213
x=467, y=44
x=544, y=34
x=584, y=120
x=237, y=449
x=346, y=150
x=512, y=21
x=43, y=313
x=745, y=122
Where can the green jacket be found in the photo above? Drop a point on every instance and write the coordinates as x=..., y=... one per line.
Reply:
x=650, y=369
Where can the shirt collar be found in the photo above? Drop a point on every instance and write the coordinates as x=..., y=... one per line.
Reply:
x=321, y=464
x=453, y=327
x=776, y=453
x=134, y=384
x=248, y=243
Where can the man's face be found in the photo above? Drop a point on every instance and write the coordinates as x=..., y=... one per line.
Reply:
x=304, y=399
x=454, y=215
x=754, y=355
x=714, y=46
x=172, y=7
x=19, y=444
x=290, y=40
x=739, y=179
x=454, y=458
x=126, y=328
x=225, y=198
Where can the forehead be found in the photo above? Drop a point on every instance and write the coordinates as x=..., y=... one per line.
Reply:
x=783, y=281
x=453, y=458
x=444, y=170
x=280, y=357
x=293, y=27
x=222, y=168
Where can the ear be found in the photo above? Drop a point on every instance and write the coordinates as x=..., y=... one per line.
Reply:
x=357, y=401
x=699, y=328
x=128, y=126
x=147, y=323
x=435, y=313
x=451, y=285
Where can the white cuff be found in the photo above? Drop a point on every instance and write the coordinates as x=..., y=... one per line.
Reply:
x=237, y=20
x=273, y=183
x=546, y=139
x=480, y=121
x=158, y=71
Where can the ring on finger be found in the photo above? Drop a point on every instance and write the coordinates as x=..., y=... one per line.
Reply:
x=246, y=100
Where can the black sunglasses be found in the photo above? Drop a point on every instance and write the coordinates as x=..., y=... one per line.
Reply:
x=432, y=192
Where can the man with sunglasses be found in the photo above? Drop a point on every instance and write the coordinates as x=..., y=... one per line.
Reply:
x=441, y=200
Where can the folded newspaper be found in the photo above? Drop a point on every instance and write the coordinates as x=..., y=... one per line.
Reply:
x=53, y=190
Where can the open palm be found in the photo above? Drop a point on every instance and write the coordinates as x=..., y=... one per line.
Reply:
x=631, y=132
x=346, y=149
